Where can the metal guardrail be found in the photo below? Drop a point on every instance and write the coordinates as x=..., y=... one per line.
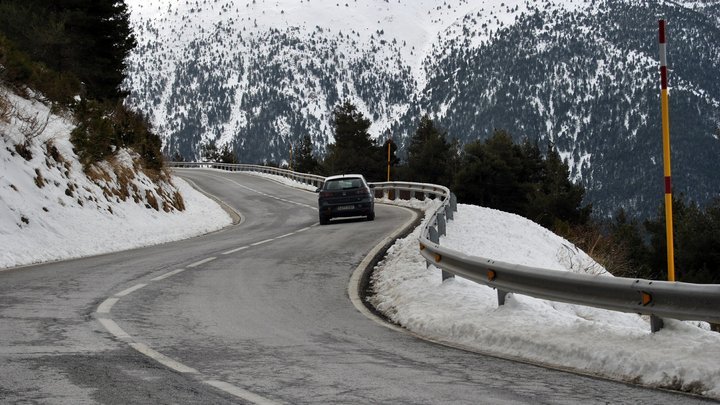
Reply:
x=683, y=301
x=310, y=179
x=389, y=190
x=677, y=300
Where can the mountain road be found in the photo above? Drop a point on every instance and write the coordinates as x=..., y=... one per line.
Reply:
x=258, y=312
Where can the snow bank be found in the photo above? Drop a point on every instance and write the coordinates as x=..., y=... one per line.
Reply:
x=682, y=356
x=50, y=209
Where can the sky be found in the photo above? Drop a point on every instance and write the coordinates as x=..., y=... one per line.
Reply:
x=49, y=210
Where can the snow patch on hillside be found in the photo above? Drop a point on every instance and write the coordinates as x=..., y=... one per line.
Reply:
x=51, y=210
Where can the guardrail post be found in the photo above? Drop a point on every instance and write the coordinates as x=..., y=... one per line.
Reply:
x=501, y=296
x=434, y=238
x=453, y=202
x=448, y=213
x=656, y=323
x=441, y=224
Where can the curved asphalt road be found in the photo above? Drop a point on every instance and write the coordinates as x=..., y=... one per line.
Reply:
x=256, y=313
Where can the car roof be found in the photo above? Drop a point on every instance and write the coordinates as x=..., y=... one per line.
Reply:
x=344, y=176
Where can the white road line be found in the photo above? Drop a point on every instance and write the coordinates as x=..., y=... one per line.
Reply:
x=130, y=290
x=166, y=275
x=209, y=259
x=261, y=242
x=239, y=392
x=235, y=250
x=113, y=328
x=264, y=241
x=162, y=359
x=104, y=308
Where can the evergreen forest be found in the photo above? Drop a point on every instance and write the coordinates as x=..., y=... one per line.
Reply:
x=71, y=54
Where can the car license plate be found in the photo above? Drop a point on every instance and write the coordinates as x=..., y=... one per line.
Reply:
x=345, y=207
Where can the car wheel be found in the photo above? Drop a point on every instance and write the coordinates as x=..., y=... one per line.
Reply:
x=324, y=220
x=371, y=216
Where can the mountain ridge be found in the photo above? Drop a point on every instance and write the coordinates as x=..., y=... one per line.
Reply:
x=581, y=75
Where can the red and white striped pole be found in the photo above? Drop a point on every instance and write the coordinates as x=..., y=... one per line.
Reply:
x=666, y=153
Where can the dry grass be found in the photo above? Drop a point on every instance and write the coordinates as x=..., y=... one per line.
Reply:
x=178, y=202
x=6, y=109
x=122, y=186
x=23, y=149
x=152, y=199
x=609, y=254
x=53, y=152
x=97, y=174
x=39, y=180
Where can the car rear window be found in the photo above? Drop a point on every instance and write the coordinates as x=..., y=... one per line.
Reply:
x=343, y=184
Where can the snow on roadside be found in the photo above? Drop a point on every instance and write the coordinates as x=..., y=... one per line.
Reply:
x=682, y=356
x=50, y=210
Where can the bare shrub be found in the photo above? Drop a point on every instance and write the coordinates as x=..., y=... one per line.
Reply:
x=602, y=248
x=32, y=125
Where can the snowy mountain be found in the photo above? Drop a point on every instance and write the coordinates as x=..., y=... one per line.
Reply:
x=583, y=75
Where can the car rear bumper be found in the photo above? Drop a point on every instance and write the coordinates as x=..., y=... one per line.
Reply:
x=347, y=209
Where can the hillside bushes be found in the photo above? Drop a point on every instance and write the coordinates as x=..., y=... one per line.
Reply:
x=71, y=54
x=103, y=128
x=87, y=40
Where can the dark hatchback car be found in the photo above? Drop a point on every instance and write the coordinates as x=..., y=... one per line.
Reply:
x=346, y=195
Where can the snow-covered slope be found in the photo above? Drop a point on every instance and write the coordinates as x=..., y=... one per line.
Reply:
x=682, y=356
x=50, y=209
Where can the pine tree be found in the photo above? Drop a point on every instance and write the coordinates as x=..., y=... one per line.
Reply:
x=557, y=198
x=491, y=175
x=696, y=241
x=625, y=233
x=515, y=178
x=430, y=155
x=304, y=161
x=353, y=151
x=88, y=39
x=209, y=152
x=227, y=155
